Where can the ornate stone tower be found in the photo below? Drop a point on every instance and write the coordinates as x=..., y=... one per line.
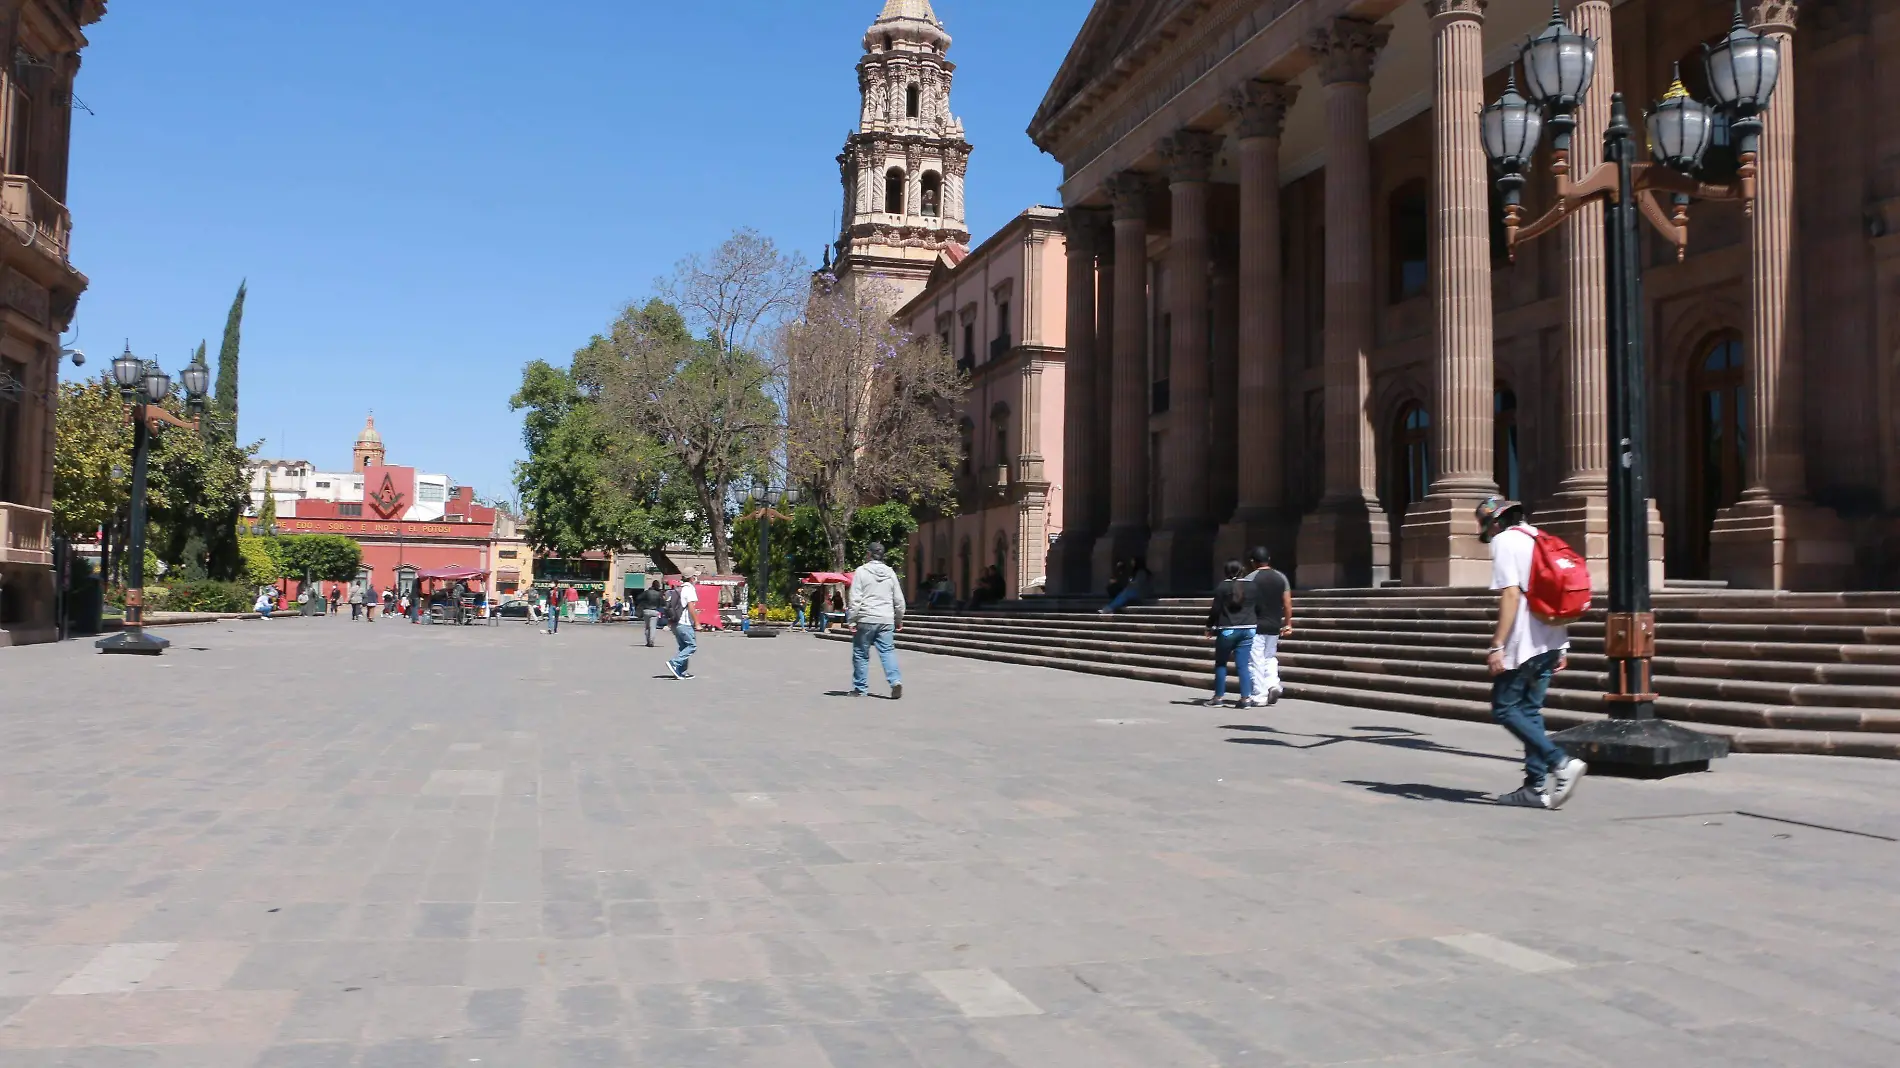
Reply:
x=369, y=446
x=903, y=169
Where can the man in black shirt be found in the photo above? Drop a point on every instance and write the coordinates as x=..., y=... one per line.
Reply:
x=1276, y=622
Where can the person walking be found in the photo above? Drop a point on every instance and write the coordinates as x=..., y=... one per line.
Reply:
x=336, y=597
x=1275, y=609
x=356, y=601
x=554, y=610
x=1525, y=653
x=682, y=604
x=650, y=602
x=1232, y=620
x=876, y=609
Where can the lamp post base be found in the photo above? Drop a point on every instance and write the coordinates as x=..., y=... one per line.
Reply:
x=134, y=643
x=1641, y=748
x=760, y=630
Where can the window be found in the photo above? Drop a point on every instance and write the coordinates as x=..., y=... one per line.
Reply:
x=350, y=511
x=323, y=485
x=969, y=343
x=1410, y=233
x=887, y=42
x=999, y=420
x=913, y=101
x=1505, y=470
x=1164, y=358
x=966, y=436
x=12, y=385
x=930, y=195
x=430, y=492
x=894, y=191
x=1409, y=472
x=20, y=122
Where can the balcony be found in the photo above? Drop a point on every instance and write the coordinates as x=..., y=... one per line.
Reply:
x=997, y=477
x=26, y=535
x=966, y=364
x=1160, y=397
x=33, y=210
x=999, y=348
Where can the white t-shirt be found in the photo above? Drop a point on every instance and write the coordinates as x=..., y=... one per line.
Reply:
x=1511, y=554
x=689, y=598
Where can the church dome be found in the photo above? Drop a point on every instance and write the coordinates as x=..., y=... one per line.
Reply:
x=908, y=21
x=369, y=436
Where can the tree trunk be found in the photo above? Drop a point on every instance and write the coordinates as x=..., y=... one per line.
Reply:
x=711, y=503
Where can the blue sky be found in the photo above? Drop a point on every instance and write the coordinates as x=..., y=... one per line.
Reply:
x=425, y=196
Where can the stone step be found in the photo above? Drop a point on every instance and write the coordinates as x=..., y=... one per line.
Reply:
x=1586, y=675
x=1468, y=704
x=1871, y=664
x=1474, y=629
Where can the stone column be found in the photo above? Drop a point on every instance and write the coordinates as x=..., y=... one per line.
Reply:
x=1105, y=363
x=1441, y=546
x=1223, y=368
x=1260, y=516
x=1181, y=551
x=1774, y=537
x=1127, y=534
x=1346, y=541
x=1069, y=557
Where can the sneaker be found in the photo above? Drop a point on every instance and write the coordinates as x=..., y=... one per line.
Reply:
x=1524, y=797
x=675, y=672
x=1274, y=695
x=1564, y=780
x=897, y=691
x=687, y=676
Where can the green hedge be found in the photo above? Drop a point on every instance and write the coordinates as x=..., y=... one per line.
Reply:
x=207, y=595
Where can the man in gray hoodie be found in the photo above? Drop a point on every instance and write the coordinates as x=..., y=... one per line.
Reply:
x=877, y=610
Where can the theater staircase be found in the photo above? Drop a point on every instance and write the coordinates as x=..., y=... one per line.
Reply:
x=1774, y=672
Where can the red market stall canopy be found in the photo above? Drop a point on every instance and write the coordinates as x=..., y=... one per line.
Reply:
x=826, y=578
x=452, y=574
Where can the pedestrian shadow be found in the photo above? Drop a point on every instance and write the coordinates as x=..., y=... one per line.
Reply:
x=1400, y=738
x=847, y=693
x=1417, y=791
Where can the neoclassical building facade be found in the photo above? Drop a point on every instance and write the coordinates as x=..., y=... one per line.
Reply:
x=39, y=291
x=1292, y=319
x=903, y=169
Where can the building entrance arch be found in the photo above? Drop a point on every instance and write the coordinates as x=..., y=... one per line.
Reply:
x=1408, y=469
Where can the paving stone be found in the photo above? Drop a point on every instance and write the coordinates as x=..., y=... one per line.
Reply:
x=545, y=879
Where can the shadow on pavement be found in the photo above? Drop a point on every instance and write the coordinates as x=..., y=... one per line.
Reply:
x=1415, y=791
x=1403, y=739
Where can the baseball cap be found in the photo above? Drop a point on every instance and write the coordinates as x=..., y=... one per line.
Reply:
x=1491, y=511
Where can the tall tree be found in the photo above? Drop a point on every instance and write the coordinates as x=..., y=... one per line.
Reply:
x=870, y=409
x=227, y=389
x=709, y=406
x=590, y=483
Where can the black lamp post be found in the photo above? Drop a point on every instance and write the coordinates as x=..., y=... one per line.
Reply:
x=768, y=511
x=1559, y=66
x=144, y=384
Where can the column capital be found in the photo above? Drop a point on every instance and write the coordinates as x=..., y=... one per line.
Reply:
x=1087, y=231
x=1189, y=154
x=1128, y=193
x=1346, y=50
x=1772, y=16
x=1445, y=11
x=1260, y=107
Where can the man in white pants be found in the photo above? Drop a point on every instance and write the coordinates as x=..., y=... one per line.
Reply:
x=1276, y=622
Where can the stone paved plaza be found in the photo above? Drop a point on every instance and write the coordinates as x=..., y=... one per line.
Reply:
x=311, y=843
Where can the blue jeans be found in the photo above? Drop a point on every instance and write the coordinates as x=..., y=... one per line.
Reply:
x=1235, y=644
x=1517, y=703
x=1128, y=596
x=688, y=641
x=882, y=636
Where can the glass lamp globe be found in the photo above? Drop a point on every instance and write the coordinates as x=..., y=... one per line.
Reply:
x=1559, y=64
x=1510, y=128
x=127, y=369
x=158, y=384
x=197, y=378
x=1680, y=129
x=1743, y=68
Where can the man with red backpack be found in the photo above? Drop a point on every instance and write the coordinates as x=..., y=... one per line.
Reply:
x=1543, y=585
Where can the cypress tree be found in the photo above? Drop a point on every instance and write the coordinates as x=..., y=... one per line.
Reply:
x=227, y=392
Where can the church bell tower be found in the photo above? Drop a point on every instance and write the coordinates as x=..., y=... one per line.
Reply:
x=903, y=168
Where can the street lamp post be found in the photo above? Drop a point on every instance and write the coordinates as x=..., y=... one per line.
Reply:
x=144, y=384
x=1559, y=66
x=768, y=511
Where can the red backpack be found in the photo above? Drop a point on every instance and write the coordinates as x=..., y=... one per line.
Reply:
x=1559, y=592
